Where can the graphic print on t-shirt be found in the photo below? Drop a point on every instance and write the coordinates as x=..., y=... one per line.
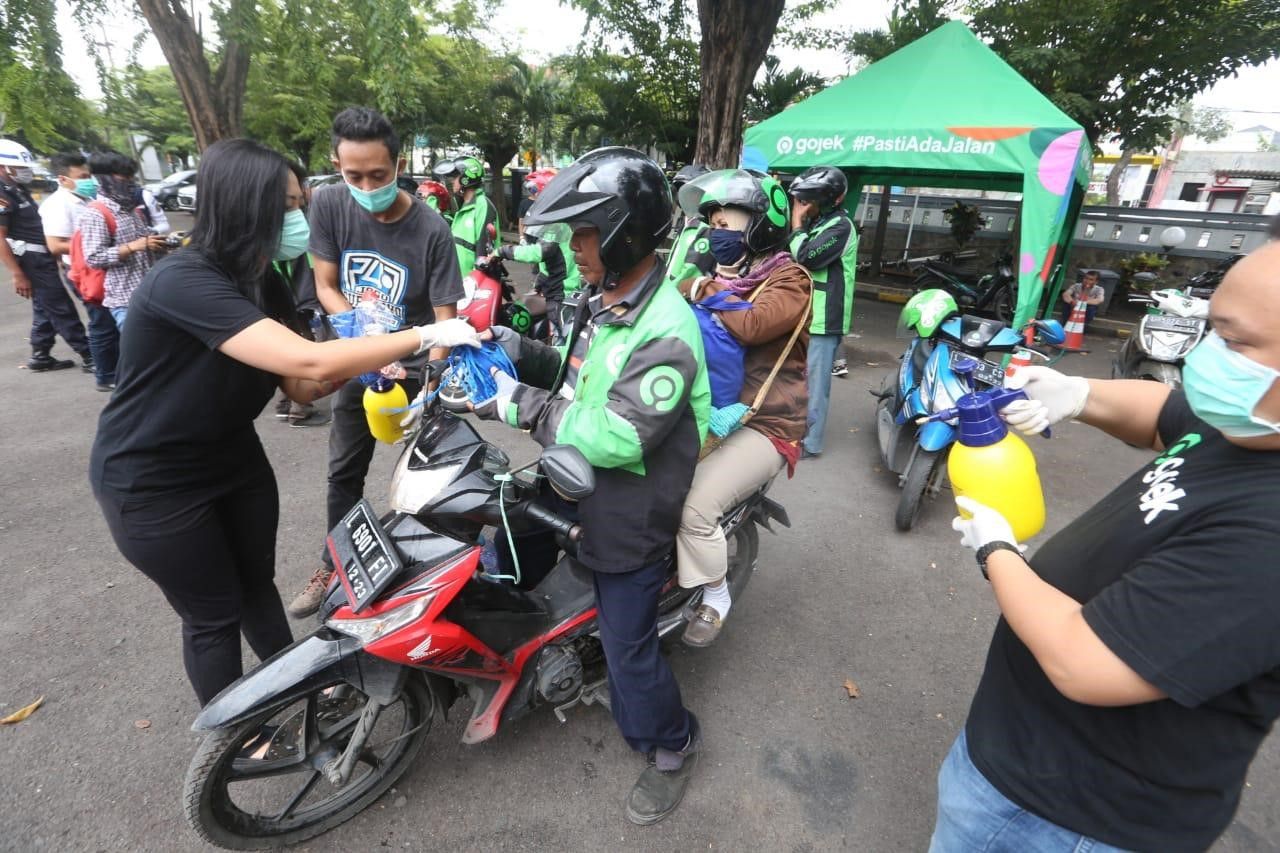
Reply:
x=365, y=274
x=1164, y=494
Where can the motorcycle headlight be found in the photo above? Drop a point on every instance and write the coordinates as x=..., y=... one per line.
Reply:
x=412, y=489
x=376, y=627
x=1167, y=346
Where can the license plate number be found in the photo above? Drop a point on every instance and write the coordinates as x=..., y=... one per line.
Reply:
x=985, y=372
x=368, y=561
x=1159, y=323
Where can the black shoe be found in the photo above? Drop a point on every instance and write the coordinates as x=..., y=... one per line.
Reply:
x=42, y=361
x=658, y=792
x=282, y=408
x=106, y=387
x=86, y=362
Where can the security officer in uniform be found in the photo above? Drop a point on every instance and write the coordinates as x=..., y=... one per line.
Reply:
x=34, y=270
x=825, y=242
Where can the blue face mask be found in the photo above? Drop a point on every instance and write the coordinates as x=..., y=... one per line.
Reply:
x=294, y=236
x=375, y=201
x=727, y=246
x=86, y=187
x=1224, y=388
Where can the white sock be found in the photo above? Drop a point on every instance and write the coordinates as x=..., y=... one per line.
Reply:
x=717, y=596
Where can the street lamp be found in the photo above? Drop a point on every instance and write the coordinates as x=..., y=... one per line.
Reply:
x=1172, y=237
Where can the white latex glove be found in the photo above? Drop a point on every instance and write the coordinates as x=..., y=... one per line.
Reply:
x=985, y=525
x=410, y=420
x=1053, y=397
x=446, y=334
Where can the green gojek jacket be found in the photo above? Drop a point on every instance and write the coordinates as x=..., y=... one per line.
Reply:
x=631, y=392
x=829, y=250
x=690, y=253
x=558, y=275
x=470, y=229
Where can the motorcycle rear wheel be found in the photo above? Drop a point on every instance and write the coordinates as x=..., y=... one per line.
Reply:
x=921, y=474
x=324, y=720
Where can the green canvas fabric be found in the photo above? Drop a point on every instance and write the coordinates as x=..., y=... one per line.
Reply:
x=945, y=111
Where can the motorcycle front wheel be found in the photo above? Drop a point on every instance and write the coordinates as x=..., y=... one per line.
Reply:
x=923, y=472
x=260, y=784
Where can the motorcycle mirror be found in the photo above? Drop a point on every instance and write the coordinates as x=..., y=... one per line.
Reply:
x=1052, y=331
x=568, y=472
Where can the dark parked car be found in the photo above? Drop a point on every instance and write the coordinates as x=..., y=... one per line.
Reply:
x=166, y=191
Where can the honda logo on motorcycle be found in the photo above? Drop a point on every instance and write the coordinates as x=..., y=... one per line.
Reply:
x=810, y=144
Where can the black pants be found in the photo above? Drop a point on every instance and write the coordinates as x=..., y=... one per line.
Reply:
x=351, y=449
x=213, y=556
x=643, y=692
x=52, y=310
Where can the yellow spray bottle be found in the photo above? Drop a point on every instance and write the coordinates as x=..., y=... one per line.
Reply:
x=384, y=406
x=992, y=465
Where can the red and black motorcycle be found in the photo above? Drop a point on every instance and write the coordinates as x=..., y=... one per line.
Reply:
x=412, y=621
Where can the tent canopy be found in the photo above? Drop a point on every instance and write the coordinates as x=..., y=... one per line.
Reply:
x=945, y=111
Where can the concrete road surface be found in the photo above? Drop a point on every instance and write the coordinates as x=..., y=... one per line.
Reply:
x=791, y=762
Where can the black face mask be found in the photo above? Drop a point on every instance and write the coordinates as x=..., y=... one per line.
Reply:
x=123, y=191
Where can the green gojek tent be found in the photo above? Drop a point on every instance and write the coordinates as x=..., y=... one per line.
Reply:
x=945, y=111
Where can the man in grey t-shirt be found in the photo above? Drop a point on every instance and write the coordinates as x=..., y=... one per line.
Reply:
x=370, y=239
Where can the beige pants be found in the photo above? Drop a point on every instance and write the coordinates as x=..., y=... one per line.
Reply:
x=742, y=464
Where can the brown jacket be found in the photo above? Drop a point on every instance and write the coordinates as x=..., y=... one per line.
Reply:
x=765, y=330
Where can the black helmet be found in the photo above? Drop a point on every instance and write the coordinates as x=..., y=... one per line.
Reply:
x=617, y=190
x=687, y=174
x=825, y=185
x=762, y=196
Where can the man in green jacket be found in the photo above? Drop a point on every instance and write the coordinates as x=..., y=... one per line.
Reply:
x=690, y=255
x=630, y=391
x=558, y=275
x=475, y=224
x=826, y=244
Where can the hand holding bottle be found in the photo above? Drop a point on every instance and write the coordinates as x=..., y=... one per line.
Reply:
x=1053, y=397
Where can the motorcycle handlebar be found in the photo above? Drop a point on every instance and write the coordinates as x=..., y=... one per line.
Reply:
x=553, y=522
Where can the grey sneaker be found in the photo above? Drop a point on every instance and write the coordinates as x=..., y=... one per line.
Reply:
x=840, y=368
x=313, y=418
x=308, y=601
x=661, y=786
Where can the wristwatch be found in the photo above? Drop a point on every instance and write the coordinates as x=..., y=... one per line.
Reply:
x=990, y=548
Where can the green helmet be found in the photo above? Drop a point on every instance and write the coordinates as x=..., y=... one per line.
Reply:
x=925, y=312
x=471, y=170
x=762, y=196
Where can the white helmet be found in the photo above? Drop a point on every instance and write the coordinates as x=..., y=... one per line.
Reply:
x=14, y=155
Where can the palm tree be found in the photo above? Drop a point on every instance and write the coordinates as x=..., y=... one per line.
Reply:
x=540, y=95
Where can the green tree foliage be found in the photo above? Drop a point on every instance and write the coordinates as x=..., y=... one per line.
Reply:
x=39, y=103
x=1115, y=66
x=776, y=89
x=145, y=102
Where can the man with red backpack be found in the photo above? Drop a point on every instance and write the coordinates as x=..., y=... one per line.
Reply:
x=60, y=214
x=35, y=274
x=115, y=234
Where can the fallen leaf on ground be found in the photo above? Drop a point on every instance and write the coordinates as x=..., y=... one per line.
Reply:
x=852, y=688
x=22, y=713
x=142, y=724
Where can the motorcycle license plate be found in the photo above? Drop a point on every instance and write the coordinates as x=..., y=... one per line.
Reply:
x=1165, y=323
x=985, y=372
x=368, y=560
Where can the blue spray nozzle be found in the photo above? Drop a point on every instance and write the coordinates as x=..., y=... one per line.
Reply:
x=979, y=415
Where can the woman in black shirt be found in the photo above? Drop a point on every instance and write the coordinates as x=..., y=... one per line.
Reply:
x=176, y=465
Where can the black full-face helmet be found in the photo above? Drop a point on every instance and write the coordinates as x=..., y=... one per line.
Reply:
x=616, y=190
x=823, y=185
x=688, y=173
x=760, y=195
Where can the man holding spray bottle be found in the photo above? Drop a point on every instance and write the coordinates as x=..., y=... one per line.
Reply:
x=1136, y=668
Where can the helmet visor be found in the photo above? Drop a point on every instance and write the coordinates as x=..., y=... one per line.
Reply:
x=723, y=188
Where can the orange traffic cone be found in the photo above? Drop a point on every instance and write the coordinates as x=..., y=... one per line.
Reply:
x=1021, y=358
x=1075, y=328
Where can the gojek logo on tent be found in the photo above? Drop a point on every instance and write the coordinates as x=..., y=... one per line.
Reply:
x=810, y=144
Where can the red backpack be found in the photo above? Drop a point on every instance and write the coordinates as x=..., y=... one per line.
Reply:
x=89, y=281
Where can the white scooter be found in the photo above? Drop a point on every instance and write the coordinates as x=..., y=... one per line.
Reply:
x=1163, y=338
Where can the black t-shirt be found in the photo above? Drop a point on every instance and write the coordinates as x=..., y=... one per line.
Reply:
x=1179, y=575
x=181, y=417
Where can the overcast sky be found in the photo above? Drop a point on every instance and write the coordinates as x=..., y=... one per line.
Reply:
x=538, y=29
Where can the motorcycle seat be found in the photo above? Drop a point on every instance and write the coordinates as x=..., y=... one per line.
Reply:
x=961, y=273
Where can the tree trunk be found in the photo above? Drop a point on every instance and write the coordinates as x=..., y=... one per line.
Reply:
x=214, y=100
x=1114, y=176
x=735, y=38
x=497, y=157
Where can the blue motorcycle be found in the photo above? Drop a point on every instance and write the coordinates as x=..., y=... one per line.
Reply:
x=928, y=381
